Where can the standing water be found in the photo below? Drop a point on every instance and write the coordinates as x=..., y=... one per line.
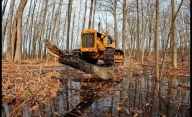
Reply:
x=128, y=97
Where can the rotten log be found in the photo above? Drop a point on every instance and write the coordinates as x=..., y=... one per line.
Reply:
x=73, y=61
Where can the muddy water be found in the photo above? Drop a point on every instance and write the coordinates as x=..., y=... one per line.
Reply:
x=135, y=96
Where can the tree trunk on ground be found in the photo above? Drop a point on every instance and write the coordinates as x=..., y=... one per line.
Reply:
x=73, y=61
x=17, y=33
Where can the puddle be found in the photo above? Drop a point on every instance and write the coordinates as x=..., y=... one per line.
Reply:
x=125, y=98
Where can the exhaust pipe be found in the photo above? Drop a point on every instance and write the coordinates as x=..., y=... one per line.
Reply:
x=99, y=26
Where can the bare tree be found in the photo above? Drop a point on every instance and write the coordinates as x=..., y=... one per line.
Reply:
x=35, y=33
x=31, y=28
x=69, y=22
x=138, y=39
x=143, y=31
x=174, y=36
x=72, y=33
x=17, y=33
x=43, y=26
x=84, y=18
x=90, y=15
x=93, y=23
x=115, y=24
x=124, y=25
x=157, y=41
x=4, y=7
x=78, y=28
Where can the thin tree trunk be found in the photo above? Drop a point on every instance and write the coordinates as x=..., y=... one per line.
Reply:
x=35, y=34
x=84, y=18
x=78, y=29
x=93, y=23
x=58, y=22
x=64, y=30
x=72, y=40
x=9, y=52
x=69, y=22
x=124, y=26
x=4, y=33
x=174, y=36
x=138, y=39
x=43, y=26
x=90, y=14
x=115, y=25
x=157, y=41
x=31, y=29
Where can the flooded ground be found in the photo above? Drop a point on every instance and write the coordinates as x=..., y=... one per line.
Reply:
x=128, y=97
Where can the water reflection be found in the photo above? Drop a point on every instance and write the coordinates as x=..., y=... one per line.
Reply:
x=122, y=98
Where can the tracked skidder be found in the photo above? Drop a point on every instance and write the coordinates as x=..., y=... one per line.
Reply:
x=94, y=46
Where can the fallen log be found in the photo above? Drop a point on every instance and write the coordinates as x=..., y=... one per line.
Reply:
x=73, y=61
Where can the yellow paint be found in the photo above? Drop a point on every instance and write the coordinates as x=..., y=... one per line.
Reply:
x=101, y=42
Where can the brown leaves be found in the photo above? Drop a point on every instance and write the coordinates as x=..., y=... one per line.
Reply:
x=33, y=108
x=26, y=81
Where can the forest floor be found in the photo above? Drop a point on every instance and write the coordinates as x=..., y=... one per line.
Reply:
x=34, y=81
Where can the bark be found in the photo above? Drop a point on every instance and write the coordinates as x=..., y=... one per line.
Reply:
x=17, y=33
x=73, y=61
x=90, y=14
